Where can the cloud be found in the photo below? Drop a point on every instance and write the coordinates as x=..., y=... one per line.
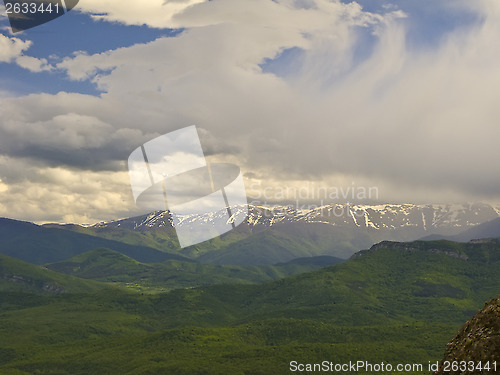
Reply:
x=358, y=103
x=362, y=119
x=56, y=194
x=33, y=64
x=3, y=187
x=154, y=13
x=67, y=130
x=11, y=48
x=236, y=33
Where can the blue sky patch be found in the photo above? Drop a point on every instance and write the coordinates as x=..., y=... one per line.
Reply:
x=62, y=37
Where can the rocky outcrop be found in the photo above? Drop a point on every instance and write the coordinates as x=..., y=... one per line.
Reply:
x=477, y=342
x=412, y=247
x=36, y=284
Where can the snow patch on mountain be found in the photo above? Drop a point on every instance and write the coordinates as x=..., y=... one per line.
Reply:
x=422, y=217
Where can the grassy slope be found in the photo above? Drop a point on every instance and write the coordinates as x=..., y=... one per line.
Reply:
x=40, y=245
x=246, y=245
x=111, y=266
x=391, y=305
x=160, y=240
x=21, y=277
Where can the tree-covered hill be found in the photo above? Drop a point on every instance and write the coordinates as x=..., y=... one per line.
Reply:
x=392, y=304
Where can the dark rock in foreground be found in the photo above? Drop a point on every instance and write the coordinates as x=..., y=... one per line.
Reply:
x=478, y=341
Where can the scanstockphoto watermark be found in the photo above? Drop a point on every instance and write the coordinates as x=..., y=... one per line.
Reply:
x=362, y=367
x=312, y=192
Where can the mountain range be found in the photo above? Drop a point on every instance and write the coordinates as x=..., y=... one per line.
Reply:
x=271, y=235
x=435, y=218
x=122, y=297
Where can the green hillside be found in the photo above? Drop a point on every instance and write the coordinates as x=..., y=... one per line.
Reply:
x=158, y=239
x=111, y=266
x=246, y=245
x=21, y=277
x=39, y=245
x=399, y=303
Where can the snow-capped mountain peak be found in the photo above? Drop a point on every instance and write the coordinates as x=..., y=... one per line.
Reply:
x=430, y=218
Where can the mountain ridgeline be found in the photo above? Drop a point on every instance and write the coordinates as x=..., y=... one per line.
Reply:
x=279, y=234
x=113, y=267
x=433, y=218
x=39, y=244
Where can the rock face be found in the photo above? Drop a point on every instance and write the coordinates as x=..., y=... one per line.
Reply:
x=436, y=247
x=35, y=284
x=477, y=341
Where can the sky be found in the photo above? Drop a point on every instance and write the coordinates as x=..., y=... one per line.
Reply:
x=300, y=94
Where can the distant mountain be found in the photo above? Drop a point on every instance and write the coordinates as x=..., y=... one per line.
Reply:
x=319, y=261
x=280, y=234
x=478, y=341
x=485, y=250
x=39, y=245
x=111, y=266
x=424, y=218
x=489, y=229
x=246, y=245
x=270, y=234
x=99, y=263
x=282, y=243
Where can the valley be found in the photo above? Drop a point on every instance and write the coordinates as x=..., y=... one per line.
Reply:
x=112, y=298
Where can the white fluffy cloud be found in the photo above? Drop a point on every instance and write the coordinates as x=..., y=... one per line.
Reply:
x=33, y=64
x=154, y=13
x=11, y=48
x=56, y=194
x=418, y=123
x=67, y=129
